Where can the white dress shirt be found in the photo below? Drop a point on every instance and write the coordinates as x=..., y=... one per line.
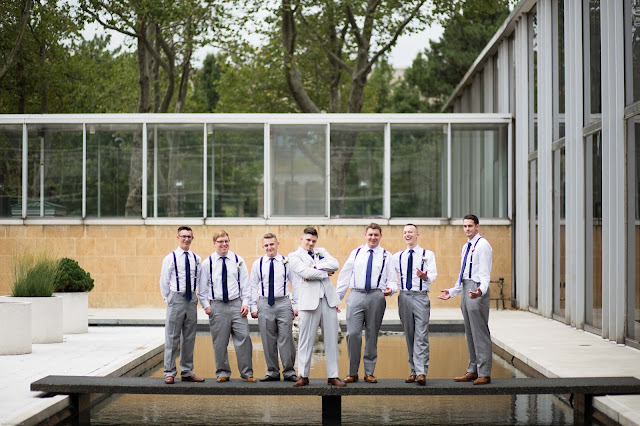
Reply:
x=423, y=259
x=354, y=272
x=282, y=273
x=210, y=287
x=168, y=281
x=478, y=263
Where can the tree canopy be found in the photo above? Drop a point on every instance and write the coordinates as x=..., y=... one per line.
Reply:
x=314, y=56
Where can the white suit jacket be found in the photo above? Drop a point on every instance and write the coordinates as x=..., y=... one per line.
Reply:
x=313, y=277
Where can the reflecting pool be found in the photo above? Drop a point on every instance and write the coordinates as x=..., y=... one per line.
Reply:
x=448, y=358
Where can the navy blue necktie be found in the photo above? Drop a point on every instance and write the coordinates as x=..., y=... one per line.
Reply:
x=410, y=270
x=187, y=277
x=310, y=254
x=225, y=289
x=367, y=282
x=464, y=262
x=272, y=298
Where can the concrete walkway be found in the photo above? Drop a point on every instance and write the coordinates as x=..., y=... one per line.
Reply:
x=557, y=350
x=548, y=346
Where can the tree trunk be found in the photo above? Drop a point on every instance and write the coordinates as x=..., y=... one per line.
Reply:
x=144, y=99
x=292, y=73
x=184, y=83
x=22, y=89
x=24, y=20
x=169, y=66
x=44, y=88
x=133, y=205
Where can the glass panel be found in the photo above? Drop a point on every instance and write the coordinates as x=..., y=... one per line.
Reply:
x=175, y=161
x=593, y=54
x=479, y=170
x=11, y=170
x=55, y=170
x=533, y=234
x=496, y=84
x=533, y=78
x=357, y=170
x=418, y=170
x=559, y=223
x=632, y=54
x=559, y=90
x=235, y=181
x=633, y=283
x=114, y=170
x=299, y=170
x=593, y=231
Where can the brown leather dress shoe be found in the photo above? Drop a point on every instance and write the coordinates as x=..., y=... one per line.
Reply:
x=335, y=381
x=370, y=378
x=222, y=379
x=169, y=380
x=410, y=379
x=302, y=381
x=421, y=379
x=250, y=379
x=351, y=379
x=469, y=377
x=193, y=378
x=482, y=381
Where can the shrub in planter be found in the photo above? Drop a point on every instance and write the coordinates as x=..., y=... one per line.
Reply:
x=34, y=275
x=71, y=277
x=34, y=281
x=73, y=284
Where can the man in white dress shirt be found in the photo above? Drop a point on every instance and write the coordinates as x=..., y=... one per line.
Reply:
x=416, y=268
x=317, y=305
x=370, y=275
x=473, y=283
x=271, y=304
x=225, y=295
x=178, y=284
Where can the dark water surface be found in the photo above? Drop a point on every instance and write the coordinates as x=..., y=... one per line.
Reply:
x=448, y=358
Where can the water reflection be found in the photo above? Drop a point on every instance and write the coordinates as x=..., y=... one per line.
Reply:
x=448, y=359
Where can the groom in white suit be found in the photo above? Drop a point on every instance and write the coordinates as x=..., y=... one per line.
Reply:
x=317, y=300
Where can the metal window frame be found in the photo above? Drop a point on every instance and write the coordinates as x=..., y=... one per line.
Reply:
x=267, y=120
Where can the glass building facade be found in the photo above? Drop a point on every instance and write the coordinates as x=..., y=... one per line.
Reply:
x=258, y=167
x=573, y=89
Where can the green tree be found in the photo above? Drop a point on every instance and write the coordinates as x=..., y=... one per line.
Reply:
x=35, y=48
x=251, y=81
x=206, y=80
x=166, y=35
x=14, y=26
x=104, y=81
x=435, y=72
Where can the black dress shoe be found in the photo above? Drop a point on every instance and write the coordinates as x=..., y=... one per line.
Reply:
x=292, y=378
x=268, y=378
x=193, y=378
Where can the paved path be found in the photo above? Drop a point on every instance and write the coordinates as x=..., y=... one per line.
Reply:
x=550, y=347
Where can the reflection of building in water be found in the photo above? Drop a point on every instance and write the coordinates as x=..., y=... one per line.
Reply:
x=448, y=357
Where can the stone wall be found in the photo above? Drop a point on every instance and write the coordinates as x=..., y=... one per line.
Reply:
x=125, y=260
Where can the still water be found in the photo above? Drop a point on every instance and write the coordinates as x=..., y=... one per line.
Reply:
x=448, y=358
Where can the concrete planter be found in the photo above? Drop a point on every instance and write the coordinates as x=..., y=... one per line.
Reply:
x=46, y=317
x=15, y=333
x=75, y=312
